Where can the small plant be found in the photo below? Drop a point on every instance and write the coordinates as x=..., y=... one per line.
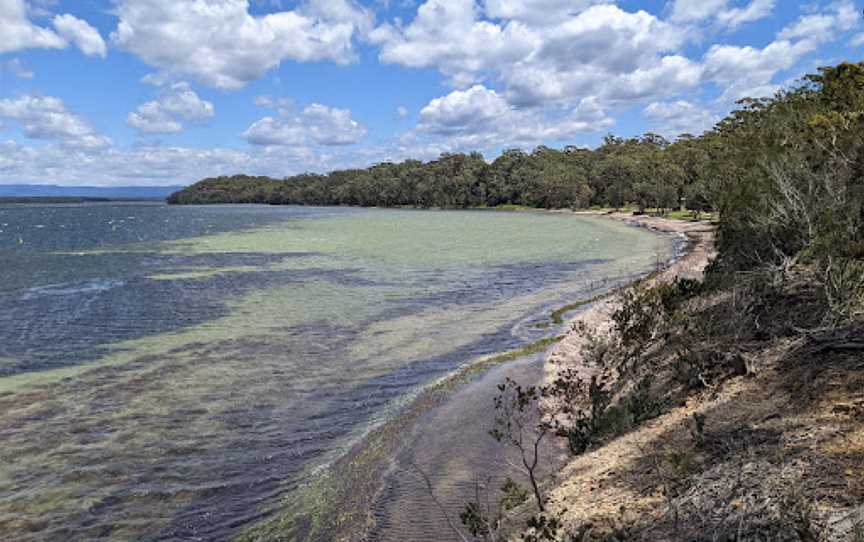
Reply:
x=797, y=516
x=543, y=528
x=517, y=426
x=641, y=404
x=476, y=521
x=513, y=494
x=481, y=520
x=577, y=423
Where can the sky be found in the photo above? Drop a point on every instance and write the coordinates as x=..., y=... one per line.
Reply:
x=166, y=92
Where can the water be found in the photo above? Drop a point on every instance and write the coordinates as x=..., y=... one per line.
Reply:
x=175, y=372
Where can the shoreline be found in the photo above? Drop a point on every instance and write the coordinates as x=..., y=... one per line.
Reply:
x=689, y=263
x=340, y=504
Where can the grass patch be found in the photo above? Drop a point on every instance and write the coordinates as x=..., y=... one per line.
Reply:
x=514, y=207
x=557, y=316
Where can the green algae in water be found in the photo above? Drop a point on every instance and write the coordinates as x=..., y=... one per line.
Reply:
x=374, y=305
x=202, y=273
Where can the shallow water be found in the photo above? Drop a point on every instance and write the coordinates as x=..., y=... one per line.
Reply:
x=173, y=372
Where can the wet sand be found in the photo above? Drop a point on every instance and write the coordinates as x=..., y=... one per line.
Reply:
x=469, y=462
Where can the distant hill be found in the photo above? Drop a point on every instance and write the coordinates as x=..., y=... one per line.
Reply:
x=110, y=192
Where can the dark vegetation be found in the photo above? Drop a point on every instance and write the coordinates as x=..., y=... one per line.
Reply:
x=784, y=298
x=647, y=172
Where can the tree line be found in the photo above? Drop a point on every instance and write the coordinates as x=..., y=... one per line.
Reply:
x=646, y=171
x=785, y=174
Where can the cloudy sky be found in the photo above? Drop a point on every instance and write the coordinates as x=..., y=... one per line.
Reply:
x=160, y=92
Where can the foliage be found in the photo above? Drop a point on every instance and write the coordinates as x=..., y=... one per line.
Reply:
x=620, y=172
x=516, y=424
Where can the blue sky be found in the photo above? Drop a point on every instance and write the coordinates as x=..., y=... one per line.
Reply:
x=164, y=92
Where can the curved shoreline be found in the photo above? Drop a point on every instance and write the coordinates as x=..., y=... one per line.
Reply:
x=689, y=263
x=338, y=505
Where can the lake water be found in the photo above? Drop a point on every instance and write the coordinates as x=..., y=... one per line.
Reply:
x=176, y=372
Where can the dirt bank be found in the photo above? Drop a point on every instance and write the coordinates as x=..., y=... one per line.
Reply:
x=773, y=453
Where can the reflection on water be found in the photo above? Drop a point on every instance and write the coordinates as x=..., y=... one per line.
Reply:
x=172, y=372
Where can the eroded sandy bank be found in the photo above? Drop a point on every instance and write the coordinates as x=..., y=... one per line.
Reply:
x=698, y=251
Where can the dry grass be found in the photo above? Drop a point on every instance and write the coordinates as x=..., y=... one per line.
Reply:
x=774, y=453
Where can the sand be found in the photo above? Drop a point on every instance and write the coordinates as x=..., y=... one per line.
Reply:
x=698, y=251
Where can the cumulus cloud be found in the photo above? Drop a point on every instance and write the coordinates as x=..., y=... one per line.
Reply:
x=46, y=117
x=593, y=49
x=447, y=34
x=467, y=111
x=823, y=27
x=609, y=37
x=220, y=44
x=177, y=103
x=539, y=12
x=81, y=34
x=680, y=116
x=480, y=117
x=721, y=11
x=18, y=32
x=751, y=72
x=696, y=10
x=316, y=124
x=754, y=11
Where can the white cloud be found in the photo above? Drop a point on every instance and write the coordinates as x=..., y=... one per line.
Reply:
x=823, y=27
x=178, y=102
x=316, y=124
x=696, y=10
x=592, y=50
x=748, y=71
x=17, y=68
x=690, y=11
x=606, y=36
x=479, y=118
x=143, y=166
x=678, y=117
x=857, y=40
x=47, y=118
x=605, y=54
x=446, y=34
x=158, y=165
x=402, y=112
x=221, y=44
x=751, y=72
x=540, y=12
x=754, y=11
x=467, y=111
x=81, y=34
x=18, y=32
